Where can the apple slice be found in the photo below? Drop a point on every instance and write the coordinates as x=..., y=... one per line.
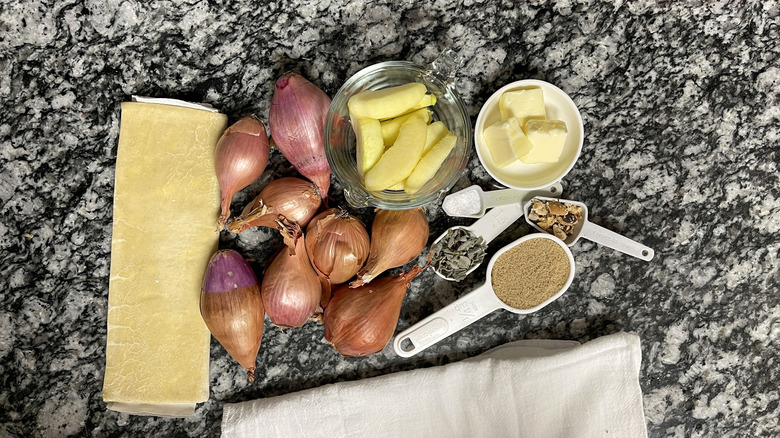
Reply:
x=427, y=100
x=399, y=187
x=387, y=102
x=369, y=143
x=429, y=164
x=399, y=161
x=436, y=131
x=391, y=127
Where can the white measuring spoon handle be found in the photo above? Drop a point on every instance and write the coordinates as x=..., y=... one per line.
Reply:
x=616, y=241
x=494, y=222
x=446, y=321
x=497, y=198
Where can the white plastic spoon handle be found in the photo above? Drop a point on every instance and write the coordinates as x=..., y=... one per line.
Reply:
x=496, y=221
x=603, y=236
x=446, y=321
x=496, y=198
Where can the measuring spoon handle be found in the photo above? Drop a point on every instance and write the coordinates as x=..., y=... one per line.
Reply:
x=603, y=236
x=494, y=222
x=496, y=198
x=446, y=321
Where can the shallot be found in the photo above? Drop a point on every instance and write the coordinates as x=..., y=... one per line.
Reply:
x=297, y=124
x=241, y=157
x=337, y=244
x=232, y=308
x=291, y=290
x=361, y=321
x=283, y=200
x=397, y=237
x=296, y=199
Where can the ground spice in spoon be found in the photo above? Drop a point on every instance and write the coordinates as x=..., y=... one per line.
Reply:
x=530, y=273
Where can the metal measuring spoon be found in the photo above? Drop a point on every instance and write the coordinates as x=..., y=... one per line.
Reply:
x=595, y=233
x=471, y=307
x=488, y=228
x=473, y=201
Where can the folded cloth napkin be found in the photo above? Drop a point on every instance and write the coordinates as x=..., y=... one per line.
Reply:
x=528, y=388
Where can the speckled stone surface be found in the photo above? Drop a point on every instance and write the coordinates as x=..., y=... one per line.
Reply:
x=681, y=104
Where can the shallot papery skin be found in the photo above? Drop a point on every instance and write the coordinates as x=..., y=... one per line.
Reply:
x=240, y=158
x=337, y=244
x=294, y=198
x=232, y=308
x=291, y=290
x=362, y=321
x=297, y=124
x=397, y=237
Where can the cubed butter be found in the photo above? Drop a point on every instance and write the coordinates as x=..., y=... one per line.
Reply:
x=506, y=142
x=548, y=138
x=524, y=105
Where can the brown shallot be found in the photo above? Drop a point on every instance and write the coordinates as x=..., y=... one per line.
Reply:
x=397, y=237
x=291, y=290
x=282, y=201
x=337, y=244
x=361, y=321
x=297, y=124
x=231, y=307
x=296, y=199
x=241, y=157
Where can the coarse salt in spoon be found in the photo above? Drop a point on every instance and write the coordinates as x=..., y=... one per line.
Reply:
x=473, y=201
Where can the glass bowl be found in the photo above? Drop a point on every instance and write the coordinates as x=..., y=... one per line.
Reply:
x=449, y=108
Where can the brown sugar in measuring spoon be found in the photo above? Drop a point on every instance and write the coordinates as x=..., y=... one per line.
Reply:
x=505, y=294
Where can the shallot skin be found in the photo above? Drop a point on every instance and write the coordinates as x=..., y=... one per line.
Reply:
x=232, y=308
x=397, y=237
x=338, y=244
x=294, y=198
x=297, y=124
x=291, y=290
x=361, y=321
x=241, y=156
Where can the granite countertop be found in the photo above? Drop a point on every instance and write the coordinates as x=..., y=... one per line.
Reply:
x=681, y=105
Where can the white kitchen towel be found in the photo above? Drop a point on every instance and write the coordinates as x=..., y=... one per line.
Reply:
x=528, y=388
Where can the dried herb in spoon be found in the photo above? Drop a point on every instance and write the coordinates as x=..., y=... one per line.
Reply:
x=457, y=252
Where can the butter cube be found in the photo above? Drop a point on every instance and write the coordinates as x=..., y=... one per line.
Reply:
x=506, y=142
x=547, y=138
x=524, y=105
x=520, y=143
